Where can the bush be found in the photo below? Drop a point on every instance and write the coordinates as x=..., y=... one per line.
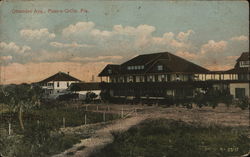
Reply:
x=242, y=103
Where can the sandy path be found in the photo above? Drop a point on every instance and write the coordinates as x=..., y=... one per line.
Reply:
x=102, y=137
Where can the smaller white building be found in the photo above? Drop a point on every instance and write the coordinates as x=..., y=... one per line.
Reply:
x=57, y=84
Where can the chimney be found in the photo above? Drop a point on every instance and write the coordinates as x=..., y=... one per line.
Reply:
x=68, y=72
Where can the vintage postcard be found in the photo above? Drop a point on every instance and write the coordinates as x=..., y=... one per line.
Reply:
x=124, y=78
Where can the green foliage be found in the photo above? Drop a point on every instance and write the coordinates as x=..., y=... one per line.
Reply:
x=21, y=95
x=242, y=103
x=212, y=97
x=158, y=138
x=38, y=141
x=41, y=136
x=90, y=96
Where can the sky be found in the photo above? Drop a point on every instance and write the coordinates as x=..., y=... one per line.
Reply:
x=40, y=38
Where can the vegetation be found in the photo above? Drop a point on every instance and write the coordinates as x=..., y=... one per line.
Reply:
x=162, y=138
x=242, y=103
x=211, y=97
x=41, y=136
x=21, y=98
x=35, y=124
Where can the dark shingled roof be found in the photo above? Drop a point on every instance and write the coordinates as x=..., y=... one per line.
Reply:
x=240, y=70
x=113, y=67
x=60, y=76
x=244, y=57
x=170, y=63
x=84, y=86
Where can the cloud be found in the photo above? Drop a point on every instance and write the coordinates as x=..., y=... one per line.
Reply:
x=232, y=57
x=72, y=45
x=137, y=38
x=182, y=36
x=6, y=58
x=213, y=47
x=13, y=47
x=36, y=34
x=217, y=67
x=187, y=55
x=98, y=58
x=79, y=27
x=239, y=38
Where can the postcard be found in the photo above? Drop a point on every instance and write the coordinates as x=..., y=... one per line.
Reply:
x=124, y=78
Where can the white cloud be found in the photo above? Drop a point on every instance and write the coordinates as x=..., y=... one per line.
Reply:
x=182, y=36
x=71, y=45
x=98, y=58
x=36, y=34
x=140, y=37
x=78, y=28
x=12, y=47
x=6, y=58
x=213, y=47
x=187, y=55
x=239, y=38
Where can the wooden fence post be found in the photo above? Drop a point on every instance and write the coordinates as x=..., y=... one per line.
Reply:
x=85, y=119
x=63, y=122
x=122, y=112
x=104, y=116
x=96, y=107
x=9, y=128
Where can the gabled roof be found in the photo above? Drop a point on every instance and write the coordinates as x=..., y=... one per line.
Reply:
x=237, y=69
x=60, y=76
x=84, y=86
x=244, y=57
x=115, y=69
x=170, y=63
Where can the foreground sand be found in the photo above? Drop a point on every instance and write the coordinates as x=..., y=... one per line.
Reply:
x=101, y=134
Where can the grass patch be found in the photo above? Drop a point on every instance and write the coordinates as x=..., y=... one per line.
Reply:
x=41, y=137
x=168, y=138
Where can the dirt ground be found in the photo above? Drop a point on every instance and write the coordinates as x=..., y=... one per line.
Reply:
x=101, y=134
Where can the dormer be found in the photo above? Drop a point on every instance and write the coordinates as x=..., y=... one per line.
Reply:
x=243, y=61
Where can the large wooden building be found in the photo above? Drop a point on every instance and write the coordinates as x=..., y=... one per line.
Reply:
x=161, y=76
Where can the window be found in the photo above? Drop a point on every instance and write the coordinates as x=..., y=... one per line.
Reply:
x=142, y=67
x=67, y=84
x=130, y=78
x=244, y=63
x=129, y=67
x=141, y=78
x=160, y=67
x=150, y=78
x=109, y=71
x=177, y=77
x=240, y=93
x=57, y=84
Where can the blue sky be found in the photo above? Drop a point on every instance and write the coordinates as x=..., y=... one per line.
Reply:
x=212, y=34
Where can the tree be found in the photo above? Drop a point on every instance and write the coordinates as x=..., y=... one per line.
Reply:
x=21, y=98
